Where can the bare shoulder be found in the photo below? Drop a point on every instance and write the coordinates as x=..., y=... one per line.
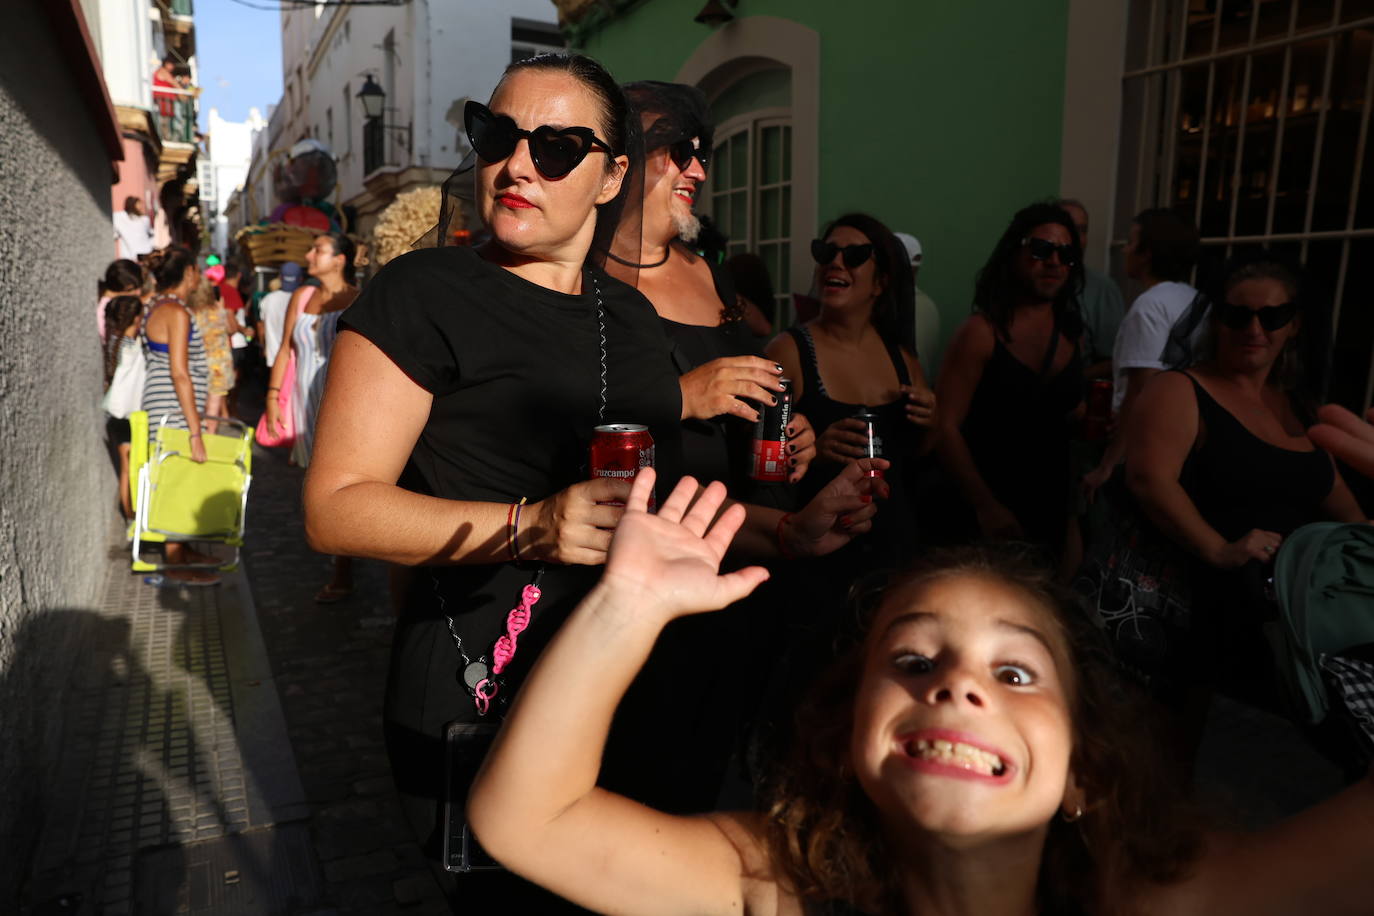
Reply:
x=763, y=895
x=783, y=346
x=1168, y=388
x=974, y=337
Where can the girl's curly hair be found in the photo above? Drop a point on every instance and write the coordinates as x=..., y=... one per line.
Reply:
x=823, y=832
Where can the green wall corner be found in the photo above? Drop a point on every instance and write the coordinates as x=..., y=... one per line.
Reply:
x=941, y=119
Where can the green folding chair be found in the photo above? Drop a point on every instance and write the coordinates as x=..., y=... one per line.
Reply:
x=177, y=499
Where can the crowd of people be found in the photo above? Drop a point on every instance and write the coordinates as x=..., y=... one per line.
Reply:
x=939, y=609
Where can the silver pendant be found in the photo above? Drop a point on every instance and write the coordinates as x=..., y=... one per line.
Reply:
x=474, y=673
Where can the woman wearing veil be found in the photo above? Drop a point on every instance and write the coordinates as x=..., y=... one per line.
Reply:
x=453, y=435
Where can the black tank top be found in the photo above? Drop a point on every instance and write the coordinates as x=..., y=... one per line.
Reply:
x=1018, y=434
x=1240, y=482
x=894, y=526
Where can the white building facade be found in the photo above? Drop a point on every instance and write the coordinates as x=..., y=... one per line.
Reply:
x=429, y=56
x=225, y=170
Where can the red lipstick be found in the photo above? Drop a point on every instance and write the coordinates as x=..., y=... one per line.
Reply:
x=514, y=201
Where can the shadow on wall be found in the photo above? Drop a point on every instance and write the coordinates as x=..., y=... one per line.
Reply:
x=33, y=75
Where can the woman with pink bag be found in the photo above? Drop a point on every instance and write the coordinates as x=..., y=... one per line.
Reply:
x=330, y=261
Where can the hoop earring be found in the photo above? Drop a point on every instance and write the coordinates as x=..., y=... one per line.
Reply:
x=1071, y=818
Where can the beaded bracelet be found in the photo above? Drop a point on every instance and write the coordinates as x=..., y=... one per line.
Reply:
x=782, y=545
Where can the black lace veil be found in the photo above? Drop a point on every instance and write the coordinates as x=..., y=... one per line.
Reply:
x=665, y=113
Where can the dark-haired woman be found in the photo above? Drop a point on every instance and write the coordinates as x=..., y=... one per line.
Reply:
x=122, y=278
x=178, y=376
x=311, y=325
x=1011, y=381
x=123, y=356
x=330, y=261
x=454, y=432
x=1219, y=460
x=855, y=357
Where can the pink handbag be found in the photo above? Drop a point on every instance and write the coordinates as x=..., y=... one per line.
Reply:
x=288, y=416
x=288, y=385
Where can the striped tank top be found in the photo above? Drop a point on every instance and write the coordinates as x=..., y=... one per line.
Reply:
x=159, y=394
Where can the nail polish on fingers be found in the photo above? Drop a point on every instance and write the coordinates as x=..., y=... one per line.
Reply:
x=777, y=367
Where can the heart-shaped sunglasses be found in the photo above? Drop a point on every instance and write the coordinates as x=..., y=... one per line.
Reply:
x=556, y=151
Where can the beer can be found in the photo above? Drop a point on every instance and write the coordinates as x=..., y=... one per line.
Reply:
x=873, y=448
x=768, y=460
x=1099, y=410
x=619, y=450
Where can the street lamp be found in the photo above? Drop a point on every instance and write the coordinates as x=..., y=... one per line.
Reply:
x=373, y=97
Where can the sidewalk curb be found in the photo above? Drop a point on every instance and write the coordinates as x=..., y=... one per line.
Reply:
x=259, y=720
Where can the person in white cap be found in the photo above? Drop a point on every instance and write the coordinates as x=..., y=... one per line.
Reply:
x=927, y=313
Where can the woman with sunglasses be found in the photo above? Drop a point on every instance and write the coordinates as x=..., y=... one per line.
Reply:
x=725, y=380
x=857, y=357
x=454, y=432
x=725, y=383
x=1219, y=460
x=1010, y=384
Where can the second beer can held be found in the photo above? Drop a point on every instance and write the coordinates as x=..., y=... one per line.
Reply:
x=873, y=448
x=1099, y=410
x=768, y=459
x=619, y=450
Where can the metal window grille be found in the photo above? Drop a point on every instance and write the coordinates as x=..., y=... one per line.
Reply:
x=750, y=195
x=1251, y=117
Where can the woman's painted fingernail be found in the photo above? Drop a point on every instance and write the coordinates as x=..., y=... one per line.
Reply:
x=792, y=462
x=791, y=449
x=866, y=497
x=791, y=430
x=773, y=401
x=777, y=367
x=846, y=521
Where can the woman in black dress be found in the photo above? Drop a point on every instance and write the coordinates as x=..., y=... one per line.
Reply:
x=1219, y=461
x=461, y=400
x=1010, y=384
x=856, y=356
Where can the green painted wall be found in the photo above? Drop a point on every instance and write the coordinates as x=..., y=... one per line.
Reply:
x=940, y=118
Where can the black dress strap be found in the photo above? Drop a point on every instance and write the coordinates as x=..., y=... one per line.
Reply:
x=811, y=370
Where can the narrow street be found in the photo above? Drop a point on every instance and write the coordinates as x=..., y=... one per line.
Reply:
x=225, y=752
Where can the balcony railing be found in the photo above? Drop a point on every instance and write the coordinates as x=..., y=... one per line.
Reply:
x=176, y=114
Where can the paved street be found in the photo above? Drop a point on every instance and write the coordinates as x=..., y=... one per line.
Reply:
x=227, y=755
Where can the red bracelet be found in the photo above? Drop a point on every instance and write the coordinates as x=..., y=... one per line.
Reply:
x=782, y=545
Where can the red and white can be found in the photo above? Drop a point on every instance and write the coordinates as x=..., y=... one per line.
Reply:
x=619, y=450
x=768, y=459
x=1099, y=410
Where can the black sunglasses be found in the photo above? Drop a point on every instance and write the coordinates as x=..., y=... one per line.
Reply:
x=1271, y=317
x=1043, y=249
x=824, y=252
x=683, y=152
x=556, y=151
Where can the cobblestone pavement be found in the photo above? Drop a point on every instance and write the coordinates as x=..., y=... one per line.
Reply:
x=330, y=666
x=175, y=759
x=223, y=755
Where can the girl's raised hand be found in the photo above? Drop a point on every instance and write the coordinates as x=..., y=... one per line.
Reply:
x=670, y=562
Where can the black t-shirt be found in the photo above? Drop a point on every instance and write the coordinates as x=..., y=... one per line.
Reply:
x=515, y=371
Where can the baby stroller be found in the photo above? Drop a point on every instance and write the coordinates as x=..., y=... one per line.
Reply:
x=176, y=499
